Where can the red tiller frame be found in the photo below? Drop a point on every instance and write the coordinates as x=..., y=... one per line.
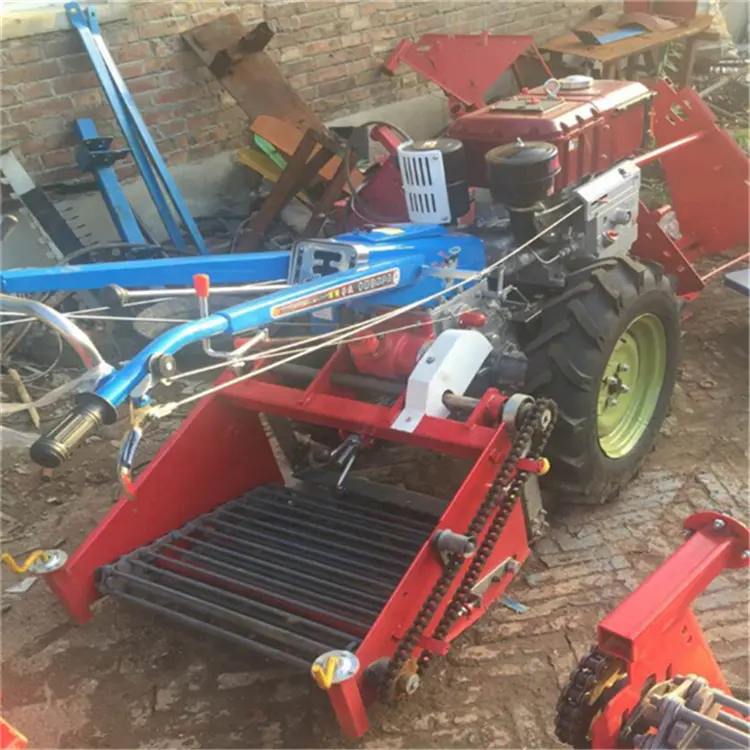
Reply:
x=654, y=631
x=707, y=175
x=221, y=451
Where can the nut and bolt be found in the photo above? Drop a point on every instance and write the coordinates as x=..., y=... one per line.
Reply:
x=512, y=566
x=745, y=555
x=719, y=524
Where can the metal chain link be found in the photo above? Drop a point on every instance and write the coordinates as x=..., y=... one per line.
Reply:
x=505, y=490
x=574, y=713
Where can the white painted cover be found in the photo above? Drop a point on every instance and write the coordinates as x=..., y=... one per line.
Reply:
x=425, y=188
x=450, y=364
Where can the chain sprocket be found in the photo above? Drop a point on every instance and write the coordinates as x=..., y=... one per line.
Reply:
x=506, y=489
x=592, y=683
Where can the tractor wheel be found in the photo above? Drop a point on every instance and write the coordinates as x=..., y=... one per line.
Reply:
x=606, y=351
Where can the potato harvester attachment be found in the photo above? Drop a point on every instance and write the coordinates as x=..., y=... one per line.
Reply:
x=358, y=582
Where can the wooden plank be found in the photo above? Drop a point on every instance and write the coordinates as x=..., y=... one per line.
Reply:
x=249, y=74
x=286, y=138
x=569, y=44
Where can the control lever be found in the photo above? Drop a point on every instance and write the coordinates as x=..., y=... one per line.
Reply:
x=344, y=455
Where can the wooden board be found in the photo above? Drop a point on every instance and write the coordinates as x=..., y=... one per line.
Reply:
x=252, y=78
x=286, y=138
x=570, y=44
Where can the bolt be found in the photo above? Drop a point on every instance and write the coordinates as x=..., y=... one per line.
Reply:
x=430, y=360
x=623, y=367
x=409, y=684
x=745, y=555
x=612, y=401
x=719, y=524
x=624, y=388
x=512, y=566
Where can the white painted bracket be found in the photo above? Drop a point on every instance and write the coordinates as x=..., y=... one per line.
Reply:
x=450, y=364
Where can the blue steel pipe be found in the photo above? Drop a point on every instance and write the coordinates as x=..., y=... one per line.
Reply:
x=256, y=314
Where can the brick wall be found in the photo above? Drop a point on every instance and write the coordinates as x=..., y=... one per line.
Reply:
x=330, y=51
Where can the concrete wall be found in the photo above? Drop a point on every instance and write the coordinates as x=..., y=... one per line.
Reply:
x=330, y=51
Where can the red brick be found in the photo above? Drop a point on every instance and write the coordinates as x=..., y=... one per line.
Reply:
x=326, y=74
x=173, y=127
x=152, y=11
x=156, y=29
x=61, y=45
x=59, y=158
x=63, y=174
x=28, y=92
x=181, y=94
x=75, y=82
x=144, y=83
x=121, y=33
x=34, y=145
x=75, y=64
x=168, y=46
x=84, y=99
x=21, y=55
x=13, y=133
x=203, y=152
x=9, y=97
x=46, y=126
x=41, y=108
x=334, y=87
x=350, y=40
x=31, y=72
x=131, y=52
x=349, y=10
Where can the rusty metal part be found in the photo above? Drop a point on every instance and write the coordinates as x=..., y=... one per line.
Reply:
x=237, y=59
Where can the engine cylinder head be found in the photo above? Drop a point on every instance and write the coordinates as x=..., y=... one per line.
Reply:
x=522, y=174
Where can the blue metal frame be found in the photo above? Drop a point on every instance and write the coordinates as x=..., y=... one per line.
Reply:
x=93, y=155
x=401, y=258
x=134, y=128
x=244, y=317
x=160, y=272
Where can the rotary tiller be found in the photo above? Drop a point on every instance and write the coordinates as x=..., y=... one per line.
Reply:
x=558, y=287
x=652, y=680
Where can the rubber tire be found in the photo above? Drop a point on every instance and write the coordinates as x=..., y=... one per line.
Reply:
x=568, y=348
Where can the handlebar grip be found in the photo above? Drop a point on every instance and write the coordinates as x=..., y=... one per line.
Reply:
x=88, y=415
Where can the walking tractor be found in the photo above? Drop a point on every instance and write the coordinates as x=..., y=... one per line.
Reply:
x=526, y=317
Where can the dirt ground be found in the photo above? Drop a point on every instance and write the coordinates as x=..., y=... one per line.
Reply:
x=129, y=680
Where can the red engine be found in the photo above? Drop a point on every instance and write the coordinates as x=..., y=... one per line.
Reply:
x=594, y=124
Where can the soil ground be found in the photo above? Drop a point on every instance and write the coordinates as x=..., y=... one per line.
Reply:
x=126, y=679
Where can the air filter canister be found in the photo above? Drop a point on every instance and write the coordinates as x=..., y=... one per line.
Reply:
x=522, y=174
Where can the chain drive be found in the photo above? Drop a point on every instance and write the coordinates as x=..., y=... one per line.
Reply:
x=506, y=489
x=576, y=709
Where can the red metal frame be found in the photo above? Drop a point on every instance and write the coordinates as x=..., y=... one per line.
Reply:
x=221, y=451
x=654, y=631
x=483, y=59
x=10, y=737
x=707, y=173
